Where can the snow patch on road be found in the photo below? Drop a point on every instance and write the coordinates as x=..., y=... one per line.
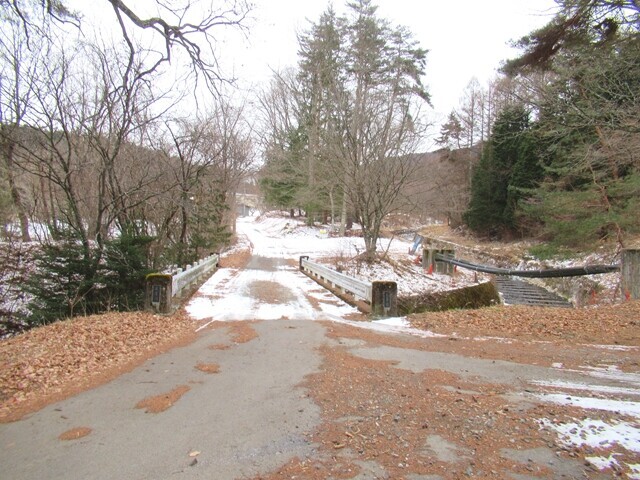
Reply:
x=591, y=388
x=619, y=406
x=597, y=433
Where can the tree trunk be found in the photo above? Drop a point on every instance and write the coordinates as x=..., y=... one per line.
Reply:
x=16, y=197
x=333, y=208
x=343, y=216
x=233, y=212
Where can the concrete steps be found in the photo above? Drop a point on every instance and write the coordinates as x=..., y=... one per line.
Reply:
x=519, y=292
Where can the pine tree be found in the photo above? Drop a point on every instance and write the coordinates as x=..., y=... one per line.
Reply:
x=508, y=168
x=67, y=282
x=587, y=121
x=122, y=274
x=283, y=176
x=63, y=283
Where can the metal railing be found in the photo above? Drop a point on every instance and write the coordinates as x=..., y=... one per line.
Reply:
x=184, y=278
x=358, y=288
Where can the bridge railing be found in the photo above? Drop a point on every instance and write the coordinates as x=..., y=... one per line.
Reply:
x=381, y=295
x=162, y=288
x=546, y=273
x=358, y=288
x=184, y=278
x=629, y=269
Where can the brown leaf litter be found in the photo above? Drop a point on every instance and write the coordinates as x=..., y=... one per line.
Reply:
x=49, y=363
x=162, y=402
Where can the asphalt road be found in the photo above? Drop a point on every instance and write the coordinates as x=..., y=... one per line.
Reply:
x=253, y=416
x=249, y=418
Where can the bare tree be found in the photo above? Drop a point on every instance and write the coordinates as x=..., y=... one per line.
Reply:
x=206, y=160
x=227, y=124
x=18, y=66
x=378, y=126
x=178, y=26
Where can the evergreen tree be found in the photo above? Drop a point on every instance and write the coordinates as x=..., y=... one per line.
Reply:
x=67, y=282
x=209, y=231
x=283, y=176
x=63, y=283
x=121, y=277
x=507, y=169
x=320, y=73
x=587, y=120
x=451, y=132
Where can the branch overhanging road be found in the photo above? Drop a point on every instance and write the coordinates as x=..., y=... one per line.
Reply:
x=299, y=397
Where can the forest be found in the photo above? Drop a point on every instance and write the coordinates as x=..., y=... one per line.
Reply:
x=549, y=149
x=106, y=176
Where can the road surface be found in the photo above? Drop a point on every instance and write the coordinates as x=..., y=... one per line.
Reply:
x=278, y=385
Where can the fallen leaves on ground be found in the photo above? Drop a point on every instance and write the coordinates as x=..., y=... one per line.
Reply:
x=608, y=324
x=385, y=420
x=208, y=367
x=160, y=403
x=75, y=433
x=47, y=363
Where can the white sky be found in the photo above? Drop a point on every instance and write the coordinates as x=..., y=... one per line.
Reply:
x=465, y=38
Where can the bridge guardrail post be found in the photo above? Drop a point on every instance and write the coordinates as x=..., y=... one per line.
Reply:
x=158, y=292
x=384, y=299
x=302, y=258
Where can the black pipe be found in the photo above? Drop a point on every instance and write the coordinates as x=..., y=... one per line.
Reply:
x=550, y=273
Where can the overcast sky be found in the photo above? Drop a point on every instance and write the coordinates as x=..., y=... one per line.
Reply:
x=465, y=38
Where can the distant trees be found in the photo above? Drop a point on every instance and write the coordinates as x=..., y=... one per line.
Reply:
x=355, y=118
x=204, y=162
x=507, y=168
x=571, y=173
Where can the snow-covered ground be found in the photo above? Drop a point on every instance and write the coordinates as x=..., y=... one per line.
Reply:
x=232, y=294
x=228, y=295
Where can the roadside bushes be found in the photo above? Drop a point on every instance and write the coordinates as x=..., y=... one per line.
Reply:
x=71, y=278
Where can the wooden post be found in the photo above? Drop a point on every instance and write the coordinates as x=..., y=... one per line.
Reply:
x=384, y=299
x=630, y=274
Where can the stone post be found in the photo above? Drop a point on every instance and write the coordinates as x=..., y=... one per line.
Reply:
x=384, y=299
x=430, y=263
x=158, y=293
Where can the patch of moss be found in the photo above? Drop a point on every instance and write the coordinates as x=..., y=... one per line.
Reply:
x=476, y=296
